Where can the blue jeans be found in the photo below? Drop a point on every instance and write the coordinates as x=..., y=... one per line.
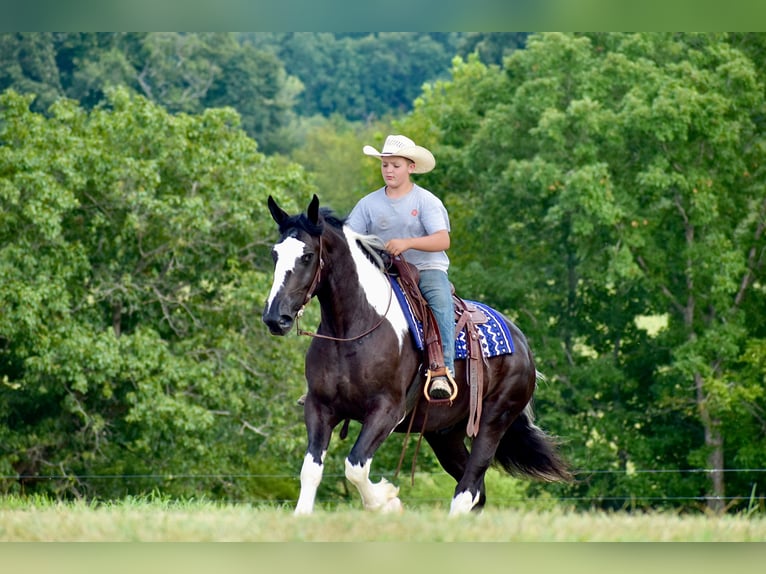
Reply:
x=436, y=289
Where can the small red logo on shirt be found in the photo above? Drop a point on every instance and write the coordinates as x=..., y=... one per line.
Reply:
x=414, y=213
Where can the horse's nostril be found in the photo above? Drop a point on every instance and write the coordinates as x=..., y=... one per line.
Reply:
x=278, y=325
x=272, y=322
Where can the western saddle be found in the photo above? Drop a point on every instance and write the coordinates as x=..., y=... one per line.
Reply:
x=467, y=319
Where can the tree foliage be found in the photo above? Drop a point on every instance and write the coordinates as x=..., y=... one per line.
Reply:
x=618, y=176
x=183, y=72
x=269, y=78
x=605, y=190
x=360, y=76
x=133, y=269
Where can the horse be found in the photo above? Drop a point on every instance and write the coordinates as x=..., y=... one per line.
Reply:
x=362, y=365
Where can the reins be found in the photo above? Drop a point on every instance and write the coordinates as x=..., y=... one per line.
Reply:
x=407, y=438
x=310, y=294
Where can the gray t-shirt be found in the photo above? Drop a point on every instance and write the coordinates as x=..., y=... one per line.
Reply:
x=417, y=214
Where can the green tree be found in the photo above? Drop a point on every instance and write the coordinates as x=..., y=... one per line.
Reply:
x=133, y=268
x=331, y=153
x=617, y=176
x=184, y=72
x=28, y=64
x=491, y=47
x=359, y=76
x=192, y=72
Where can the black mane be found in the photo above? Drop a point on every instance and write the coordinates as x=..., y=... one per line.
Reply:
x=301, y=222
x=332, y=218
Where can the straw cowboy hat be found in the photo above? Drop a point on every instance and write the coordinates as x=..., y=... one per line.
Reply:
x=404, y=147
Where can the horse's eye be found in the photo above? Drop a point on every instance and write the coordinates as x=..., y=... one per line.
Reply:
x=306, y=259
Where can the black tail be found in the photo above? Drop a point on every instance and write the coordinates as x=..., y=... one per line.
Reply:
x=526, y=450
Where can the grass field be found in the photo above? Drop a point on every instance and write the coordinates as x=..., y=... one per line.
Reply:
x=418, y=541
x=199, y=521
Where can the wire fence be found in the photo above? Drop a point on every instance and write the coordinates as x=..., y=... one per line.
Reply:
x=296, y=476
x=750, y=497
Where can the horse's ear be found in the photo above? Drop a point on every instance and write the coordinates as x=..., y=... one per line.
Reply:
x=313, y=210
x=277, y=212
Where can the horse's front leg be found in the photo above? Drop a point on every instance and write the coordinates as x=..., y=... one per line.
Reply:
x=382, y=495
x=319, y=425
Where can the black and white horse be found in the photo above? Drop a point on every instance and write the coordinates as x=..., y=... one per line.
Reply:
x=362, y=366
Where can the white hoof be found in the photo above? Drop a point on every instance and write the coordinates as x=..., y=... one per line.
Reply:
x=463, y=503
x=393, y=506
x=382, y=496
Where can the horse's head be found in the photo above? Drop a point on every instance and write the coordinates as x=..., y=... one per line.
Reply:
x=297, y=264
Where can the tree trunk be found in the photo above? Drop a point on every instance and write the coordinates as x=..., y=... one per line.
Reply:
x=714, y=443
x=117, y=318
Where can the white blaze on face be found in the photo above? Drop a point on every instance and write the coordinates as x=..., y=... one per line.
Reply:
x=288, y=253
x=377, y=288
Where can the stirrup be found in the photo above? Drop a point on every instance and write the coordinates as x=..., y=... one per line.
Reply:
x=447, y=375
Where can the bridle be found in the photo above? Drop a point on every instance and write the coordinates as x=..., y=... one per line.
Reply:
x=311, y=292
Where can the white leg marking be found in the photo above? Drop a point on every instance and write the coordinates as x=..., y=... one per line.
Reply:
x=288, y=252
x=463, y=503
x=377, y=288
x=381, y=496
x=311, y=476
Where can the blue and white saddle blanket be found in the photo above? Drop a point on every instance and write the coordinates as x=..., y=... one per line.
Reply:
x=494, y=336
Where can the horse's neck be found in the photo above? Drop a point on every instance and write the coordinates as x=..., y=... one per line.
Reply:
x=353, y=285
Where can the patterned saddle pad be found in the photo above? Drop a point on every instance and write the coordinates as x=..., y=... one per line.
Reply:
x=494, y=336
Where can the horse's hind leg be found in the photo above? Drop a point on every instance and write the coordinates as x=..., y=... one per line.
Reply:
x=452, y=453
x=469, y=492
